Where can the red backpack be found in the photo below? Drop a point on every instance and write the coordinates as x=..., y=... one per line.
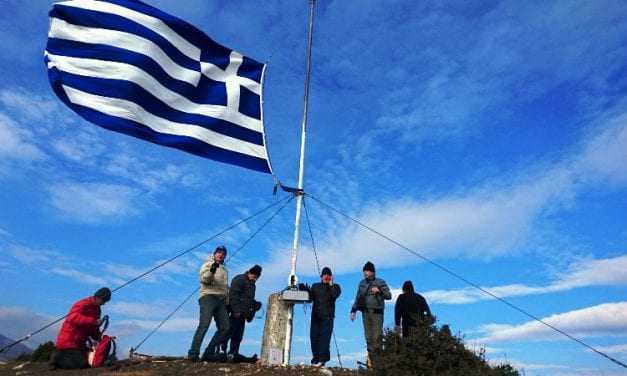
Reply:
x=104, y=351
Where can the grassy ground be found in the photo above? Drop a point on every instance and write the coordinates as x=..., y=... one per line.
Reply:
x=175, y=367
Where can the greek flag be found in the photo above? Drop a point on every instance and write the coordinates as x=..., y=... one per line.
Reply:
x=133, y=69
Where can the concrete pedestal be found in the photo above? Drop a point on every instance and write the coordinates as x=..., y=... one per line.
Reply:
x=279, y=314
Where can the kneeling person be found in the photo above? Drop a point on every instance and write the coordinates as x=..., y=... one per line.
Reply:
x=82, y=323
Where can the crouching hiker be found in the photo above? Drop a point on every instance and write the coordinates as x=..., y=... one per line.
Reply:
x=81, y=324
x=370, y=300
x=323, y=295
x=214, y=291
x=410, y=309
x=243, y=307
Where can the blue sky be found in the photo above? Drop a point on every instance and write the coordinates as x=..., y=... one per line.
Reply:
x=490, y=137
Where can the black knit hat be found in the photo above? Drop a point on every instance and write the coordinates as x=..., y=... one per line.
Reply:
x=369, y=266
x=256, y=270
x=220, y=248
x=104, y=294
x=326, y=271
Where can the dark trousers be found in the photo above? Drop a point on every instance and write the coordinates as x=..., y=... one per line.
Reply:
x=211, y=306
x=69, y=359
x=409, y=329
x=236, y=332
x=320, y=336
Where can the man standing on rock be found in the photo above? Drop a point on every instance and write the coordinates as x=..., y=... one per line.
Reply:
x=243, y=306
x=323, y=295
x=371, y=295
x=214, y=290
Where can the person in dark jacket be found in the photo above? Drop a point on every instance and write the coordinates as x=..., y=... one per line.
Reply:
x=371, y=295
x=410, y=309
x=243, y=306
x=82, y=323
x=323, y=295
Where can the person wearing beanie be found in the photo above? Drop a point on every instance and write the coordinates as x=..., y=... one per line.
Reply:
x=323, y=294
x=213, y=301
x=81, y=323
x=243, y=308
x=370, y=299
x=409, y=310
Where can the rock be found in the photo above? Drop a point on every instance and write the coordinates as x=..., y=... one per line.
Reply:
x=20, y=366
x=326, y=371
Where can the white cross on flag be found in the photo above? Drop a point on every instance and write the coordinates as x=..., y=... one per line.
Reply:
x=131, y=68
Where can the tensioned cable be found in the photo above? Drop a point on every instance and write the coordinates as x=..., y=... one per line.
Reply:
x=28, y=336
x=452, y=273
x=169, y=316
x=313, y=246
x=287, y=199
x=133, y=349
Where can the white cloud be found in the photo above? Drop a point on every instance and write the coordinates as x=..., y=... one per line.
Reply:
x=29, y=256
x=605, y=155
x=173, y=325
x=134, y=309
x=82, y=146
x=613, y=349
x=609, y=319
x=93, y=202
x=29, y=105
x=79, y=276
x=490, y=220
x=16, y=143
x=583, y=273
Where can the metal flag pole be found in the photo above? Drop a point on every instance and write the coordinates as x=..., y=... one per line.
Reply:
x=293, y=279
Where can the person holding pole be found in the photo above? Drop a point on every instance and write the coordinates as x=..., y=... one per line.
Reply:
x=323, y=295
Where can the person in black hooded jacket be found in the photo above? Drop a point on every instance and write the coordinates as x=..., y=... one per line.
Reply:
x=323, y=295
x=410, y=308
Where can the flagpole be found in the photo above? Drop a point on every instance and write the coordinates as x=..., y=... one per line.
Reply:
x=293, y=279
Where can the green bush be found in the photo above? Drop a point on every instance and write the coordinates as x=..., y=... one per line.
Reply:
x=43, y=352
x=432, y=351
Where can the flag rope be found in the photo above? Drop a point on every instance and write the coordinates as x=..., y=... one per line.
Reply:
x=468, y=282
x=315, y=252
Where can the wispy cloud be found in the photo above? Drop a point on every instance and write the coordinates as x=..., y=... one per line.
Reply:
x=489, y=220
x=614, y=349
x=88, y=278
x=609, y=319
x=583, y=273
x=93, y=202
x=15, y=142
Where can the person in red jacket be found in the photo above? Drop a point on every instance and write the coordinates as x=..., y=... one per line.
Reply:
x=82, y=322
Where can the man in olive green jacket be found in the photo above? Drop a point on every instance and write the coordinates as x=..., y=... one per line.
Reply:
x=213, y=301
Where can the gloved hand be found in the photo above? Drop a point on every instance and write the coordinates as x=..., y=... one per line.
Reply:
x=214, y=267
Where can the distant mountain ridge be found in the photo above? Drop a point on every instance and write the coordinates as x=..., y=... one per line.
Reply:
x=13, y=352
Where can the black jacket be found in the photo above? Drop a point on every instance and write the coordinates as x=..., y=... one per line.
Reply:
x=410, y=307
x=242, y=295
x=323, y=297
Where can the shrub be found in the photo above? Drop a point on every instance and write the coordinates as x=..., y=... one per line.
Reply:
x=43, y=352
x=432, y=351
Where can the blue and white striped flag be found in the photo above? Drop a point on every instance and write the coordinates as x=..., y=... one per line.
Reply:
x=131, y=68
